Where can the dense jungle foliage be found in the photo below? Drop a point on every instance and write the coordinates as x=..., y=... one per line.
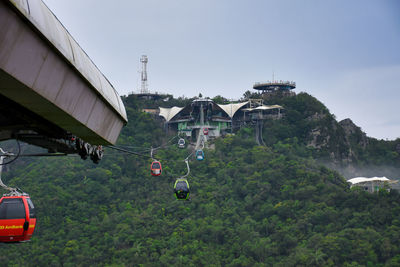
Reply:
x=250, y=205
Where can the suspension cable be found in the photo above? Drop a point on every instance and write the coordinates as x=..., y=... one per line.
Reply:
x=152, y=148
x=165, y=145
x=127, y=151
x=45, y=155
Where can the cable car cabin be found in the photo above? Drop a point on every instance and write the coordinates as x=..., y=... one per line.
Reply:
x=181, y=189
x=181, y=143
x=17, y=218
x=205, y=131
x=199, y=154
x=156, y=168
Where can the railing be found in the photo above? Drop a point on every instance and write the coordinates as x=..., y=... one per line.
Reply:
x=289, y=83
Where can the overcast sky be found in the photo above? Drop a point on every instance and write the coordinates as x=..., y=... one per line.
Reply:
x=345, y=53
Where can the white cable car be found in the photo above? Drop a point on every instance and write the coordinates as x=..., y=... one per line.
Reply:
x=181, y=143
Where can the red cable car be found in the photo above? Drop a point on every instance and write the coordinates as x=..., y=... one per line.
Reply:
x=156, y=168
x=17, y=218
x=205, y=131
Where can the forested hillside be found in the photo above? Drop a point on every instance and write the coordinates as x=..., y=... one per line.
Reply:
x=251, y=205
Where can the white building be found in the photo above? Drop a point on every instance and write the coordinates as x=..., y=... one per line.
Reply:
x=373, y=184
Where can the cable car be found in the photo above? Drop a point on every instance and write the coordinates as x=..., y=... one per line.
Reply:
x=181, y=143
x=199, y=154
x=156, y=168
x=97, y=154
x=181, y=189
x=17, y=218
x=205, y=131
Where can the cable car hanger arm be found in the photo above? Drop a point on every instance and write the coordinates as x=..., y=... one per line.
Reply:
x=8, y=154
x=188, y=169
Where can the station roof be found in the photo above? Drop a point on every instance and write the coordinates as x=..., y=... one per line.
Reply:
x=357, y=180
x=264, y=107
x=169, y=113
x=203, y=100
x=231, y=109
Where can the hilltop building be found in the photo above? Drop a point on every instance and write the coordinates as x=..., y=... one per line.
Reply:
x=271, y=88
x=374, y=184
x=218, y=118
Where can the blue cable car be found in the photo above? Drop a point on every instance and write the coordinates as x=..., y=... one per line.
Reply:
x=199, y=154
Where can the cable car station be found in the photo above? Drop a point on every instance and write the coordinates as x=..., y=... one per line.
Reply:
x=207, y=118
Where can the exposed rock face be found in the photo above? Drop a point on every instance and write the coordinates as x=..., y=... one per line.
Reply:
x=318, y=137
x=317, y=116
x=354, y=133
x=339, y=139
x=342, y=146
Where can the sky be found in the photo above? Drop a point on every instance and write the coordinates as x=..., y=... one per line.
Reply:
x=344, y=53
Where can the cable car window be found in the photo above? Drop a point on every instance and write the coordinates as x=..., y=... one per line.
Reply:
x=32, y=213
x=3, y=210
x=181, y=186
x=156, y=165
x=12, y=209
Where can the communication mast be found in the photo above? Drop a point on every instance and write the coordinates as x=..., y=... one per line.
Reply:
x=144, y=89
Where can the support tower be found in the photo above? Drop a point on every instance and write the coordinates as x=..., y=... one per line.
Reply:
x=144, y=89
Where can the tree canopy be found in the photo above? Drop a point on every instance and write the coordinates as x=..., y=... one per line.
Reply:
x=251, y=205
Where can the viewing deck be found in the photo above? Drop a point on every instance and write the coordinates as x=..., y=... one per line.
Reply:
x=274, y=85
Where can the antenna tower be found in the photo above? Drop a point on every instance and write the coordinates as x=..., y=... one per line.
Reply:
x=144, y=89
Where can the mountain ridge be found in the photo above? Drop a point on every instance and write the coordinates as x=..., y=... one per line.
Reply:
x=251, y=205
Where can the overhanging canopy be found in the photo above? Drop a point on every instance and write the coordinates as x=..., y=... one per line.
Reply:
x=169, y=113
x=231, y=109
x=263, y=108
